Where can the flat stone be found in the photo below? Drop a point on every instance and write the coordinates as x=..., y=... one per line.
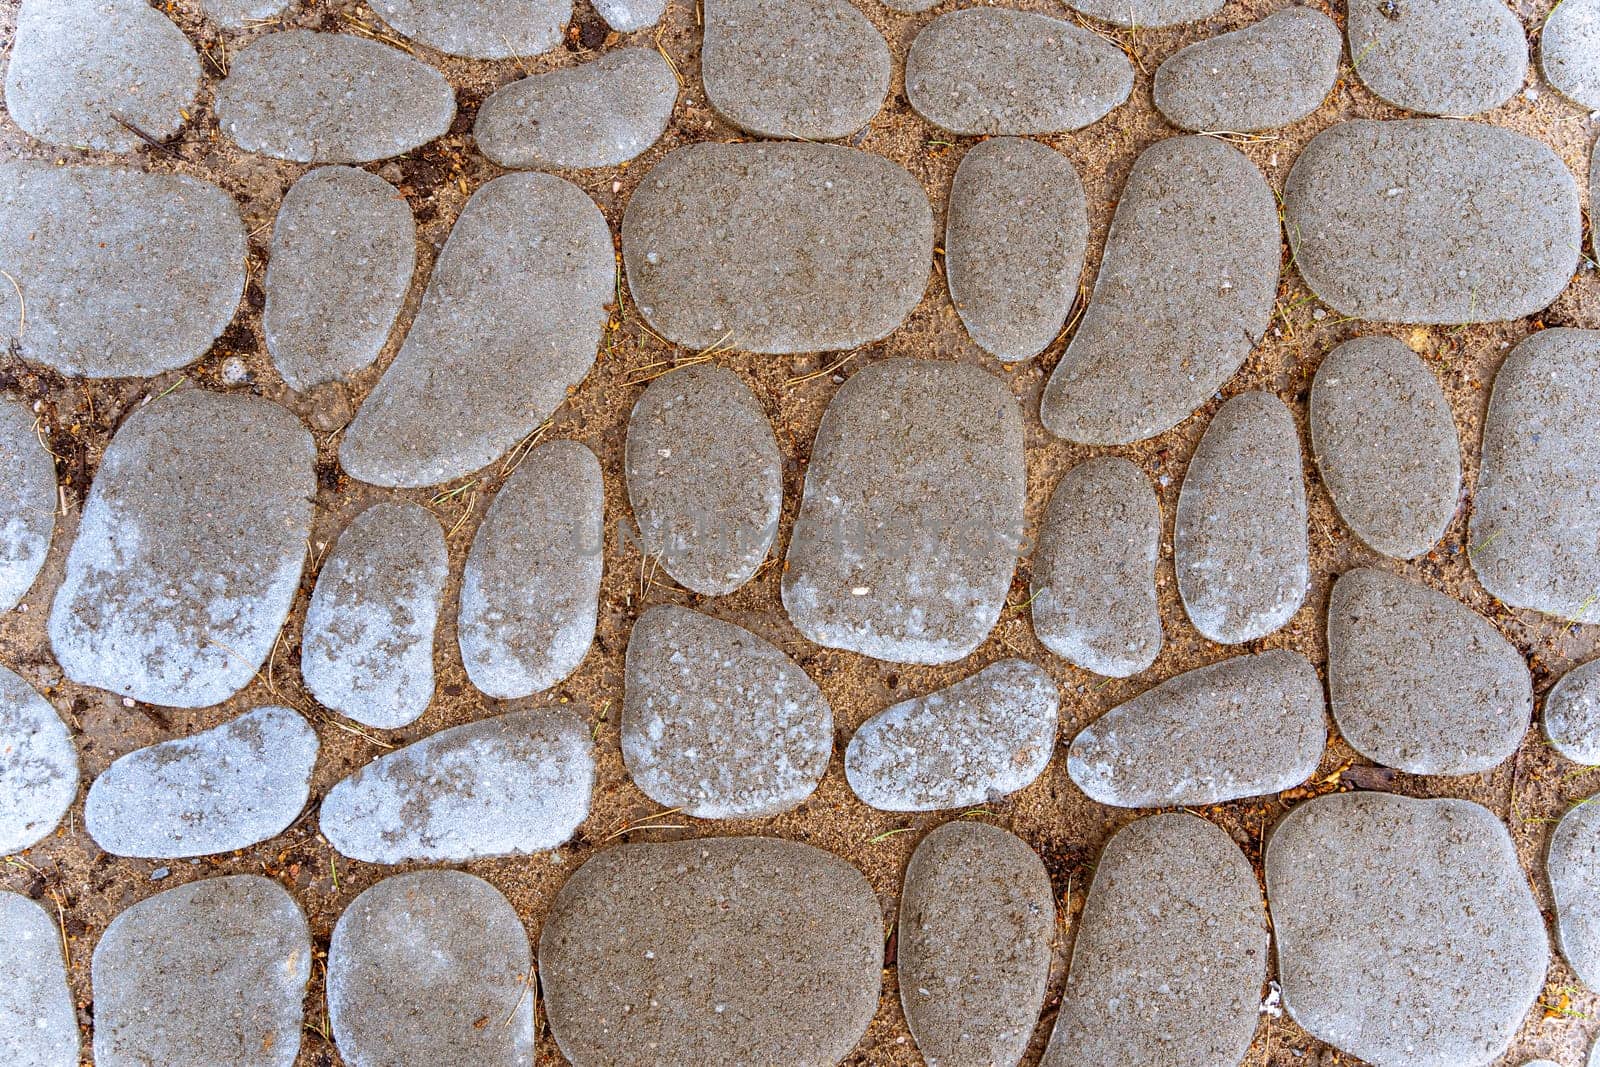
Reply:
x=1419, y=681
x=124, y=273
x=480, y=29
x=1185, y=291
x=1271, y=73
x=626, y=16
x=1170, y=954
x=368, y=647
x=530, y=591
x=27, y=502
x=1094, y=569
x=1406, y=933
x=38, y=765
x=189, y=551
x=1573, y=864
x=210, y=972
x=1572, y=714
x=1240, y=543
x=910, y=7
x=331, y=98
x=1569, y=50
x=240, y=14
x=777, y=248
x=814, y=69
x=721, y=950
x=1490, y=216
x=908, y=529
x=343, y=248
x=973, y=742
x=705, y=478
x=38, y=1023
x=1438, y=57
x=508, y=326
x=1247, y=726
x=1014, y=245
x=1536, y=512
x=1386, y=445
x=977, y=926
x=415, y=966
x=596, y=114
x=1147, y=14
x=507, y=786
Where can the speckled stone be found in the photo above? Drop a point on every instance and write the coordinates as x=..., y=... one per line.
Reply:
x=38, y=1023
x=626, y=16
x=240, y=14
x=480, y=29
x=1147, y=14
x=1271, y=73
x=708, y=951
x=1438, y=57
x=1573, y=864
x=1406, y=933
x=977, y=923
x=1170, y=953
x=27, y=502
x=1572, y=714
x=1569, y=50
x=38, y=765
x=1185, y=290
x=912, y=513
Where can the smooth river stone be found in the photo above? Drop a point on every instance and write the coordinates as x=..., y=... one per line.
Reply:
x=1536, y=514
x=1573, y=864
x=343, y=248
x=479, y=29
x=434, y=968
x=1094, y=570
x=977, y=926
x=1569, y=50
x=189, y=551
x=1170, y=954
x=38, y=1022
x=1572, y=714
x=1147, y=14
x=912, y=513
x=719, y=950
x=331, y=98
x=1014, y=244
x=1406, y=933
x=368, y=647
x=1185, y=291
x=211, y=972
x=530, y=591
x=626, y=16
x=777, y=248
x=705, y=478
x=1244, y=727
x=507, y=786
x=596, y=114
x=38, y=765
x=717, y=722
x=27, y=502
x=240, y=14
x=1438, y=57
x=1490, y=218
x=1419, y=681
x=979, y=740
x=996, y=71
x=124, y=273
x=508, y=326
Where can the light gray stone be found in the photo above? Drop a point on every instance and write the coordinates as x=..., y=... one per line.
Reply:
x=508, y=326
x=777, y=248
x=1569, y=50
x=189, y=552
x=1438, y=57
x=241, y=14
x=1406, y=933
x=480, y=29
x=1271, y=73
x=38, y=765
x=27, y=502
x=626, y=16
x=909, y=7
x=973, y=742
x=720, y=950
x=1185, y=291
x=912, y=513
x=1147, y=14
x=1244, y=727
x=1572, y=714
x=38, y=1023
x=1573, y=864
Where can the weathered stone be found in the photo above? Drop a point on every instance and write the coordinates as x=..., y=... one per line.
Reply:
x=908, y=529
x=240, y=14
x=1572, y=714
x=189, y=551
x=27, y=502
x=1247, y=726
x=777, y=248
x=1379, y=900
x=1490, y=218
x=508, y=326
x=38, y=765
x=507, y=786
x=977, y=922
x=480, y=29
x=1438, y=57
x=1170, y=953
x=626, y=16
x=1147, y=14
x=38, y=1023
x=1569, y=50
x=1014, y=244
x=1185, y=290
x=720, y=950
x=910, y=7
x=1573, y=864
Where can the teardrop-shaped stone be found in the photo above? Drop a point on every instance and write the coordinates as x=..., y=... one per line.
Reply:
x=27, y=502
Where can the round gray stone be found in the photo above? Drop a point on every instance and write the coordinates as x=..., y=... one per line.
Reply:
x=1573, y=864
x=1406, y=933
x=1572, y=714
x=626, y=16
x=27, y=502
x=480, y=29
x=1147, y=14
x=38, y=1023
x=240, y=14
x=1569, y=50
x=1185, y=290
x=38, y=765
x=1438, y=57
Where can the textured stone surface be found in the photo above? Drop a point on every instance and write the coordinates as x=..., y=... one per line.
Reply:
x=189, y=551
x=625, y=16
x=1573, y=864
x=908, y=528
x=509, y=323
x=719, y=950
x=1147, y=14
x=1438, y=57
x=38, y=1023
x=1184, y=292
x=776, y=248
x=480, y=29
x=1569, y=50
x=1269, y=74
x=240, y=14
x=38, y=765
x=1380, y=899
x=27, y=502
x=1572, y=714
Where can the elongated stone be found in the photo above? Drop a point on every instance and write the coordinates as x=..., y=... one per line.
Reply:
x=1573, y=865
x=1269, y=74
x=27, y=503
x=1572, y=714
x=626, y=16
x=38, y=765
x=38, y=1023
x=1438, y=57
x=240, y=14
x=480, y=29
x=1147, y=14
x=1569, y=50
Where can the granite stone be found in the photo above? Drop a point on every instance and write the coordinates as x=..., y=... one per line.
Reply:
x=1573, y=865
x=38, y=1022
x=1572, y=714
x=1147, y=14
x=241, y=14
x=1438, y=57
x=27, y=502
x=1569, y=50
x=480, y=29
x=38, y=765
x=626, y=16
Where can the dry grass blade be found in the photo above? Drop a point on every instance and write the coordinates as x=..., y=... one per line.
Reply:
x=22, y=305
x=801, y=379
x=646, y=823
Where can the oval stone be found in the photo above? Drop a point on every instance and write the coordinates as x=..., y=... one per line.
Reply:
x=1185, y=291
x=1573, y=865
x=189, y=551
x=1490, y=217
x=27, y=502
x=480, y=29
x=721, y=950
x=38, y=1021
x=1147, y=14
x=1569, y=50
x=240, y=14
x=38, y=765
x=1438, y=57
x=626, y=16
x=777, y=248
x=1572, y=714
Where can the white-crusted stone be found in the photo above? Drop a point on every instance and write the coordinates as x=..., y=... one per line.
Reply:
x=38, y=765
